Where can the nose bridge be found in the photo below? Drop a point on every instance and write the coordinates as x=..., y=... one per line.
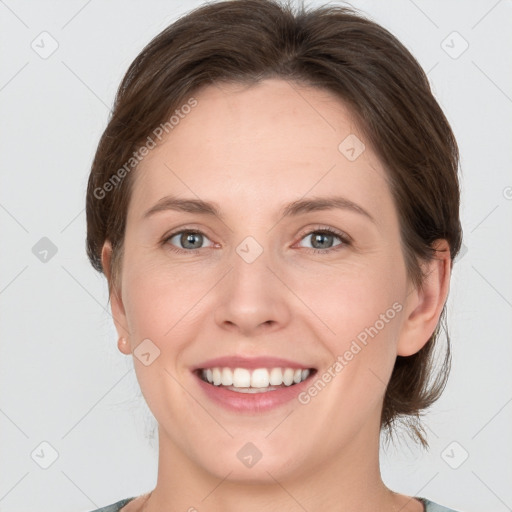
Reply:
x=251, y=294
x=250, y=250
x=250, y=275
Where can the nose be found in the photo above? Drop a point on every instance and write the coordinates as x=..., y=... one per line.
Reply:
x=252, y=299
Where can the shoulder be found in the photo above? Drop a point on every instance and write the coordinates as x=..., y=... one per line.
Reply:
x=430, y=506
x=115, y=507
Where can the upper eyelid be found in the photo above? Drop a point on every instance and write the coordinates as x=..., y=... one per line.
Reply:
x=332, y=231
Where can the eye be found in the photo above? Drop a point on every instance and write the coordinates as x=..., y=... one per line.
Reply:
x=321, y=240
x=189, y=240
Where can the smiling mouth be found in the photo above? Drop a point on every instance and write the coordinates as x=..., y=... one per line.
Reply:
x=259, y=380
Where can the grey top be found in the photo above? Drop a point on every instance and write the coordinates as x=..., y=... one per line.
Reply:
x=429, y=506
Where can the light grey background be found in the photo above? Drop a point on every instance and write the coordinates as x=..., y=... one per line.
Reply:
x=63, y=380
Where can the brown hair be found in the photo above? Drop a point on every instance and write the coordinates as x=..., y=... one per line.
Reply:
x=333, y=48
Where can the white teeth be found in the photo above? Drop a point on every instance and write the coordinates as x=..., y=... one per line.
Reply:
x=276, y=377
x=288, y=377
x=217, y=376
x=258, y=378
x=241, y=378
x=226, y=378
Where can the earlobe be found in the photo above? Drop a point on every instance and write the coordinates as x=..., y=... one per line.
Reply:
x=123, y=345
x=425, y=304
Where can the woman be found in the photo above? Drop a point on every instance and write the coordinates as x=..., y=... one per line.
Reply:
x=275, y=205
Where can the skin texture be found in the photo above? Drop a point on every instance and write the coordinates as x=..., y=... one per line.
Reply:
x=252, y=150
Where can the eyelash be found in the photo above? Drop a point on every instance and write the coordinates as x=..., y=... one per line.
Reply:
x=345, y=240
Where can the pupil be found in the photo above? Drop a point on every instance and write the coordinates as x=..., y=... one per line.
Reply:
x=186, y=238
x=321, y=236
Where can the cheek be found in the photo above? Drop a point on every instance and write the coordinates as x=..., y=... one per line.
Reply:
x=159, y=306
x=350, y=298
x=361, y=306
x=156, y=298
x=363, y=309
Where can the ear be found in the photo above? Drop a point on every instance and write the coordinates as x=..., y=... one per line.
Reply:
x=424, y=305
x=116, y=303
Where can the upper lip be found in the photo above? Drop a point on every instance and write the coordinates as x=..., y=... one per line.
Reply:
x=250, y=363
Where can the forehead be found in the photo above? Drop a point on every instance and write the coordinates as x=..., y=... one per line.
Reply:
x=258, y=145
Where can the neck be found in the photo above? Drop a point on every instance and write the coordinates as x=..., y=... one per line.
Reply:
x=349, y=481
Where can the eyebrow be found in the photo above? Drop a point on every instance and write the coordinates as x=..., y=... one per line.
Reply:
x=292, y=209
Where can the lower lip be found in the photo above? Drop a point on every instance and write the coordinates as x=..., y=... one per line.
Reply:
x=252, y=402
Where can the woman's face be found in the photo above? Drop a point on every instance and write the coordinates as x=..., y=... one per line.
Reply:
x=258, y=283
